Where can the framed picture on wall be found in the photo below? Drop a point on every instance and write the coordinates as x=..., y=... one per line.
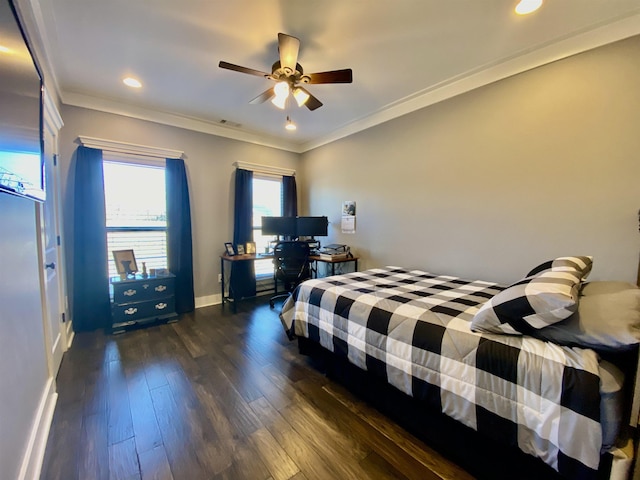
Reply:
x=228, y=248
x=125, y=261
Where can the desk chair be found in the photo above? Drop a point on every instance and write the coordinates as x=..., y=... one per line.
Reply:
x=291, y=266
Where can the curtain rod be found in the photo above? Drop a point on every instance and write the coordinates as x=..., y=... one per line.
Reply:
x=128, y=148
x=255, y=167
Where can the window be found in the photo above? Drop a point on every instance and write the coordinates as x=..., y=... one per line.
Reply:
x=136, y=213
x=267, y=201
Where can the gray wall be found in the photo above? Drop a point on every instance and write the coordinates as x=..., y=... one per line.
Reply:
x=490, y=183
x=210, y=171
x=23, y=363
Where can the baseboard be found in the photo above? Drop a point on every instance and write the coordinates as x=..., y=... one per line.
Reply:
x=208, y=300
x=216, y=299
x=34, y=453
x=70, y=334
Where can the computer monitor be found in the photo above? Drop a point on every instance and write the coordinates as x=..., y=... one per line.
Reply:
x=312, y=226
x=281, y=226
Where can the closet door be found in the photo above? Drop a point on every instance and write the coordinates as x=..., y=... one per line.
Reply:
x=52, y=278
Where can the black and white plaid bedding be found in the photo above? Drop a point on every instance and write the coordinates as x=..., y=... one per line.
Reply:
x=412, y=328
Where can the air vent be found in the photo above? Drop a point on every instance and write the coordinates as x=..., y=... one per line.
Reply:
x=229, y=123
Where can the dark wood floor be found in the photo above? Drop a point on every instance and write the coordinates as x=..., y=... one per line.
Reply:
x=218, y=395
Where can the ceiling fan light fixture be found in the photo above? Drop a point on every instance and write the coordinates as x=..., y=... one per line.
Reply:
x=281, y=90
x=525, y=7
x=300, y=95
x=288, y=73
x=289, y=125
x=279, y=102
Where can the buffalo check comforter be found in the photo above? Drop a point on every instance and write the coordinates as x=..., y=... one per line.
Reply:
x=413, y=329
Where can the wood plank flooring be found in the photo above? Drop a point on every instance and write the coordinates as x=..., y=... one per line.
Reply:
x=219, y=395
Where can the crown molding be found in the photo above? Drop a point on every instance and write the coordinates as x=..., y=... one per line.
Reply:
x=174, y=120
x=572, y=45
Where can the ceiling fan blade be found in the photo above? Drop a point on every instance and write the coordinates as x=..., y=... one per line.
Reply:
x=312, y=102
x=288, y=48
x=263, y=97
x=335, y=76
x=238, y=68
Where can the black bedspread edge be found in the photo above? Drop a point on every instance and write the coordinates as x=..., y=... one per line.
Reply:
x=482, y=457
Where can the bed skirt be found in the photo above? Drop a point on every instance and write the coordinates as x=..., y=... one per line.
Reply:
x=482, y=457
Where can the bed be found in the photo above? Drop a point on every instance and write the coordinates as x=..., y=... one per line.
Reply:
x=486, y=355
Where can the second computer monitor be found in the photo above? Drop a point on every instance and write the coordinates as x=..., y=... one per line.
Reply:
x=312, y=226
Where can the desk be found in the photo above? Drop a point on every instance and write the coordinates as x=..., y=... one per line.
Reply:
x=252, y=257
x=332, y=262
x=247, y=257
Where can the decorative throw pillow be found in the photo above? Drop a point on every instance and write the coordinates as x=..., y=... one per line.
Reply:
x=582, y=265
x=605, y=321
x=532, y=303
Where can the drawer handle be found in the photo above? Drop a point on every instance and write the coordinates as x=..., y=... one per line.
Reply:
x=161, y=306
x=130, y=311
x=160, y=288
x=129, y=293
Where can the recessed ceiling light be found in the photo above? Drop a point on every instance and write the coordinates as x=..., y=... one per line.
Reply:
x=132, y=82
x=528, y=6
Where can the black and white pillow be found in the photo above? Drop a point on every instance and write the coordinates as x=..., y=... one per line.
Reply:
x=530, y=304
x=582, y=264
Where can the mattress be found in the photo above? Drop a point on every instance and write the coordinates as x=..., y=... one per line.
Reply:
x=412, y=328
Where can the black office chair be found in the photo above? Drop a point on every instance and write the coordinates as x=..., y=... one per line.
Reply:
x=291, y=266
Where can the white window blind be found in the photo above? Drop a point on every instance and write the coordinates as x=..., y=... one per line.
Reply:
x=267, y=201
x=136, y=213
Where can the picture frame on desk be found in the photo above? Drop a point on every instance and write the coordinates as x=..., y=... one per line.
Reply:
x=251, y=247
x=240, y=249
x=229, y=250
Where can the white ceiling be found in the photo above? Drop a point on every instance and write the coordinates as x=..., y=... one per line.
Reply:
x=405, y=54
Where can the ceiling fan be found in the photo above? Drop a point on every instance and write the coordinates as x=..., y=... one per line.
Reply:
x=289, y=75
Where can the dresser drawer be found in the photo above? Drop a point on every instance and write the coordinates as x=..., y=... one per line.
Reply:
x=128, y=292
x=134, y=312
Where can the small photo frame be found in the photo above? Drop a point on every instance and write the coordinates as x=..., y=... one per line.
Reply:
x=240, y=249
x=229, y=250
x=125, y=261
x=251, y=247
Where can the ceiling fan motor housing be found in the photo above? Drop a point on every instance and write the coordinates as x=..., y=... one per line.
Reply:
x=280, y=74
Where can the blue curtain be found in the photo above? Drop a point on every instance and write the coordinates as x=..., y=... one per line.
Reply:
x=90, y=302
x=243, y=278
x=289, y=197
x=179, y=242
